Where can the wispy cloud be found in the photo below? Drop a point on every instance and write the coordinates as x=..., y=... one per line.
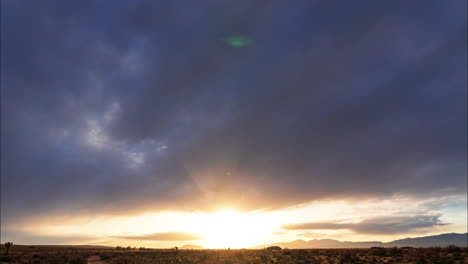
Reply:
x=377, y=225
x=168, y=236
x=312, y=235
x=279, y=233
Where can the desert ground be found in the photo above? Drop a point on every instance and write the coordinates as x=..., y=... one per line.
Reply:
x=79, y=255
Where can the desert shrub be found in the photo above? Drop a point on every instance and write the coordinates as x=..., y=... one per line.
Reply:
x=348, y=257
x=394, y=251
x=378, y=251
x=104, y=256
x=121, y=260
x=6, y=259
x=453, y=249
x=78, y=260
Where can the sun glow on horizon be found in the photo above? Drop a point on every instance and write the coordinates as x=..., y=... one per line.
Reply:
x=226, y=227
x=231, y=229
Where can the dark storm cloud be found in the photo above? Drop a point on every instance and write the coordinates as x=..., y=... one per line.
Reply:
x=169, y=236
x=376, y=225
x=142, y=105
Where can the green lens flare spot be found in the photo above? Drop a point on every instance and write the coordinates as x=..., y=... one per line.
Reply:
x=238, y=41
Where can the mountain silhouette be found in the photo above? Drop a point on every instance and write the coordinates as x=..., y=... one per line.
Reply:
x=426, y=241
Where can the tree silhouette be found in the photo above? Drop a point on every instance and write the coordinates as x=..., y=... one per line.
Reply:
x=7, y=246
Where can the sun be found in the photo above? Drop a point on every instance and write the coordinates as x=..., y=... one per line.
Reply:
x=231, y=229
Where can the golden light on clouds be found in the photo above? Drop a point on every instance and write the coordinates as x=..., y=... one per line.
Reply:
x=230, y=228
x=224, y=228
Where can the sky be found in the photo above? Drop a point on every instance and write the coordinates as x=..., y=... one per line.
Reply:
x=232, y=123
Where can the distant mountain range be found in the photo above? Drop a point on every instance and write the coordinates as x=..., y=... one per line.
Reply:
x=427, y=241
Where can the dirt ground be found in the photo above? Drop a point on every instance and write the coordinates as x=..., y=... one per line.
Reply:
x=95, y=260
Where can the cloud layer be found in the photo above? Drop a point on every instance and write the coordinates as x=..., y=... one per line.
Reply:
x=141, y=105
x=376, y=225
x=168, y=236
